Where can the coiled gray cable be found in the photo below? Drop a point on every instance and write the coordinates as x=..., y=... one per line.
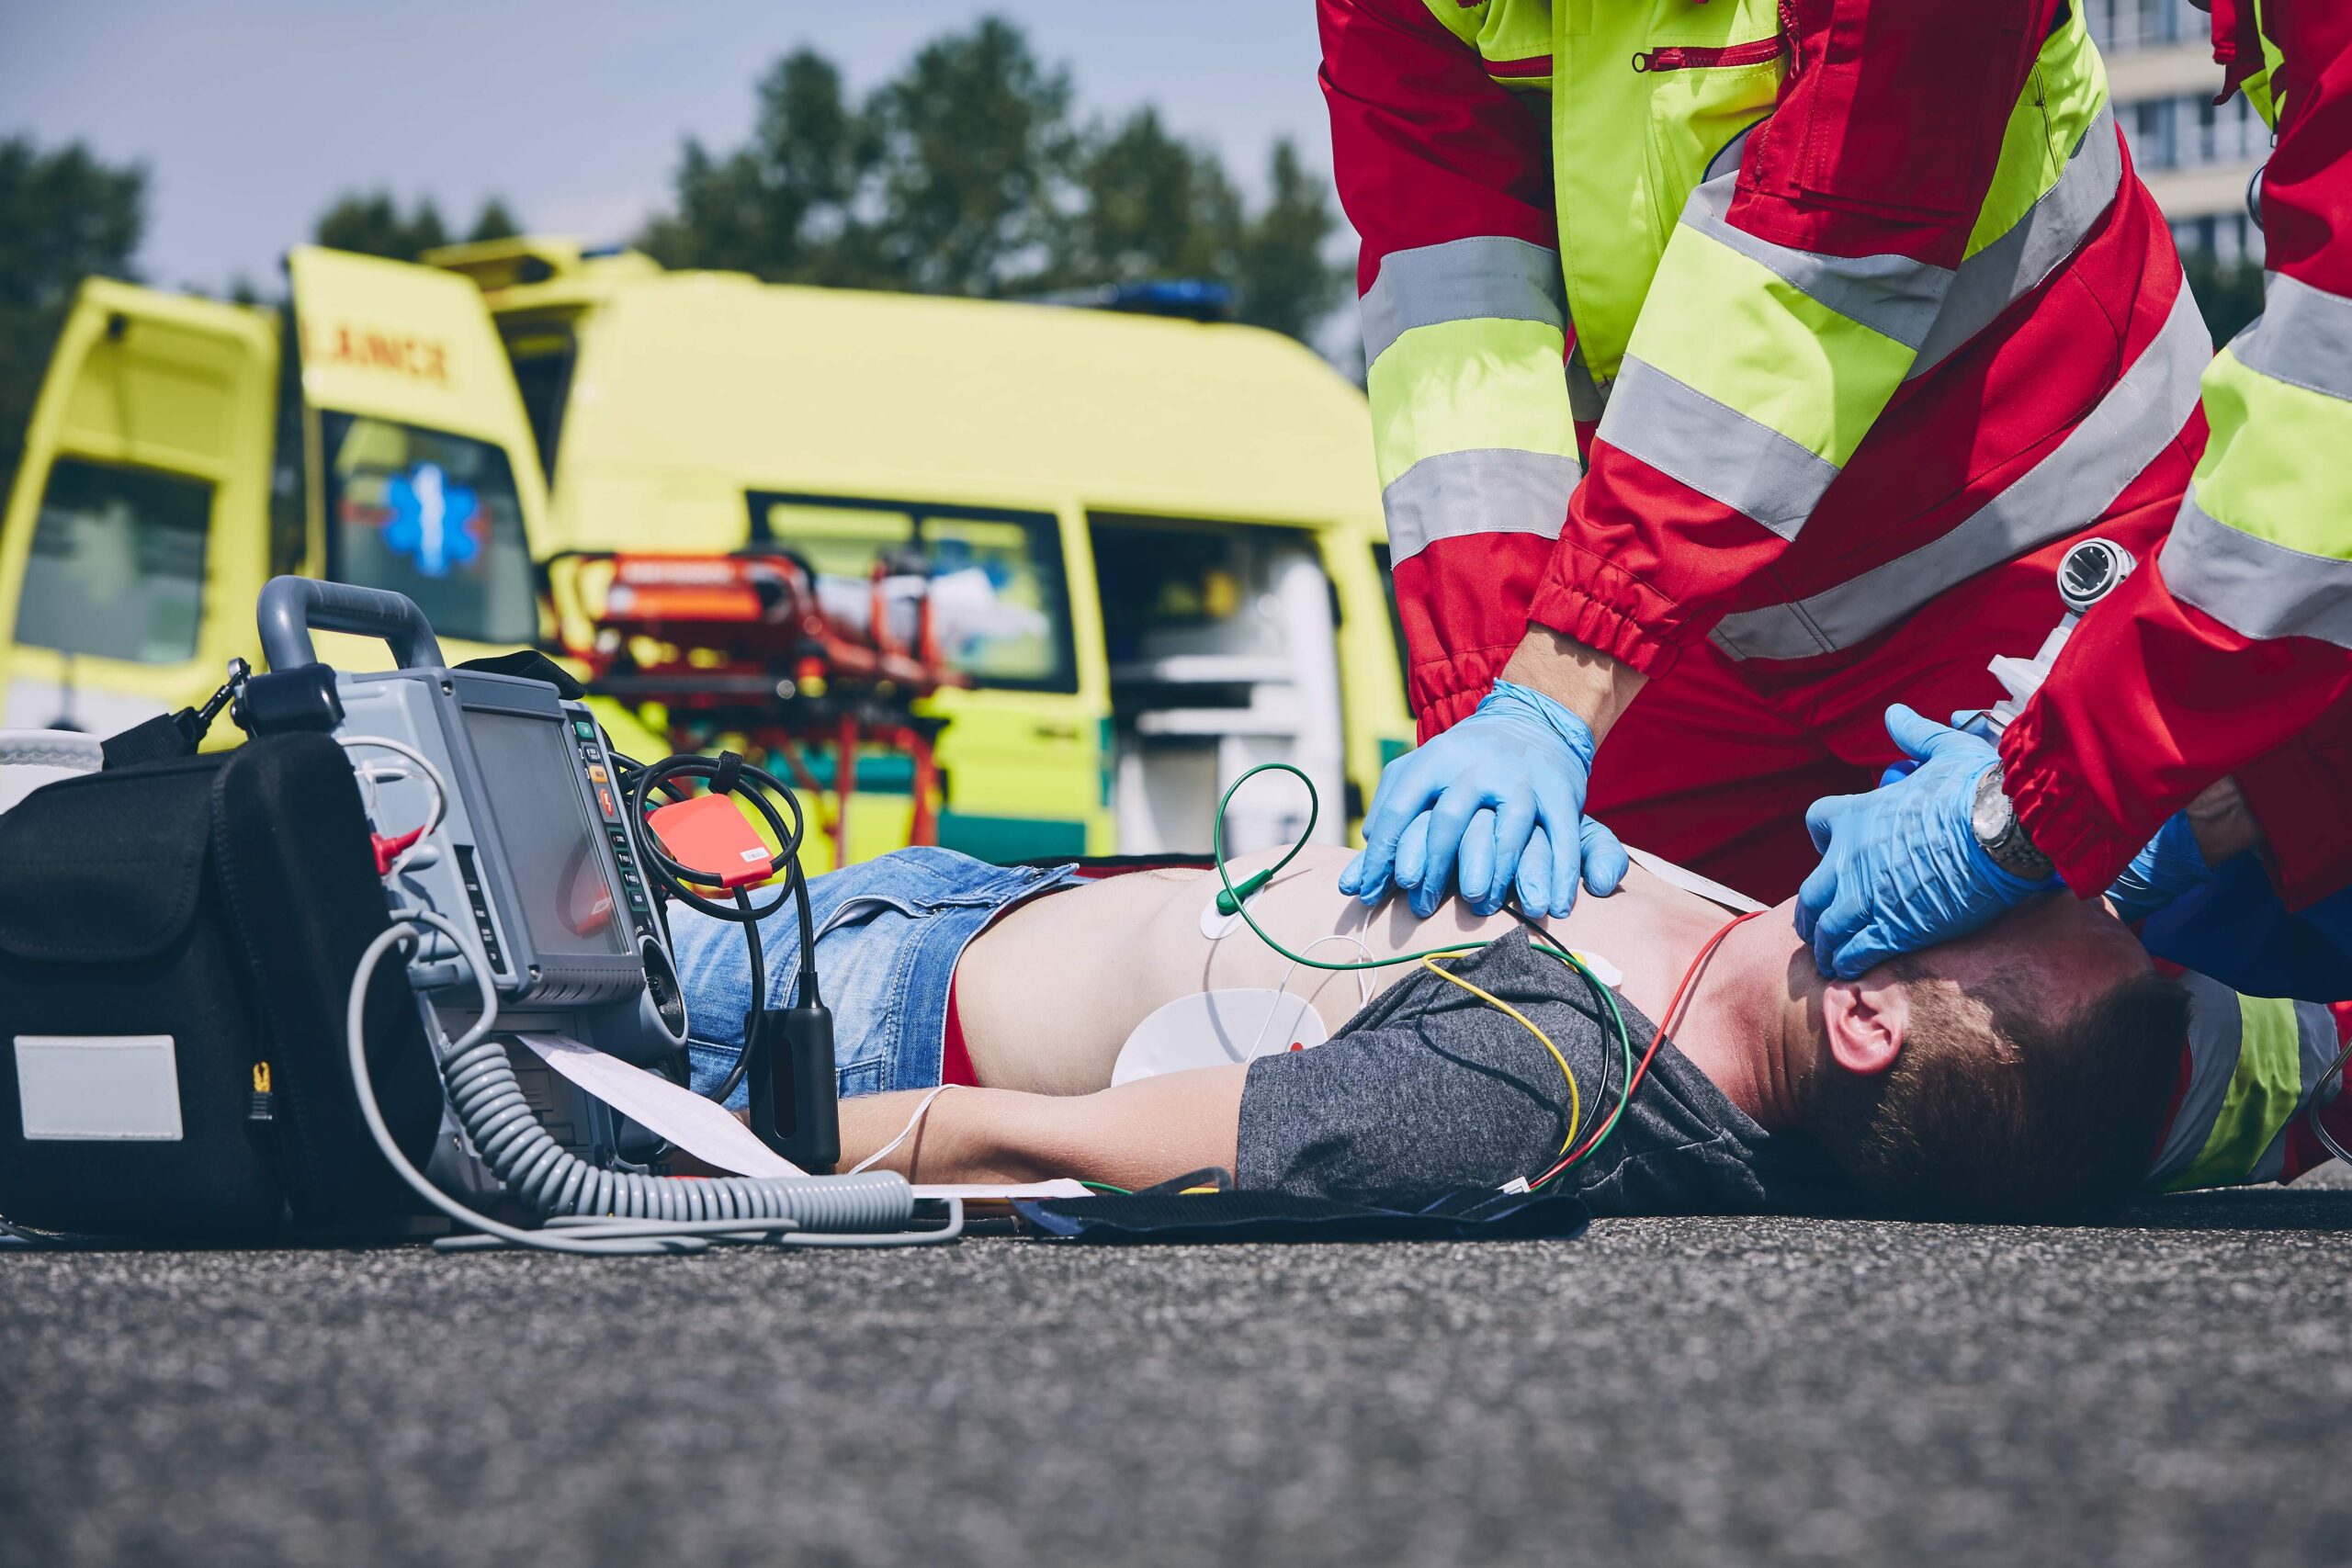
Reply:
x=596, y=1210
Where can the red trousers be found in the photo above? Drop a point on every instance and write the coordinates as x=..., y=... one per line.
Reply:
x=1714, y=764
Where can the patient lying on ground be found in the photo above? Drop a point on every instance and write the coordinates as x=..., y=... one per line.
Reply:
x=2021, y=1074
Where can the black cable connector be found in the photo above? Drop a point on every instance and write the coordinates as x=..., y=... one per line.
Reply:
x=795, y=1105
x=788, y=1056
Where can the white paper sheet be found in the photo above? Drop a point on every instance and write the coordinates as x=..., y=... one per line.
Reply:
x=701, y=1127
x=1060, y=1187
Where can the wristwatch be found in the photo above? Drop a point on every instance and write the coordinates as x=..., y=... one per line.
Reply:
x=1999, y=833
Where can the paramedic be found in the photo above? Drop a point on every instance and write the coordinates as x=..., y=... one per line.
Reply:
x=1875, y=320
x=2229, y=653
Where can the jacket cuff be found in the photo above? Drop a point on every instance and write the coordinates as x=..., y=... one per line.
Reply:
x=2298, y=799
x=1608, y=609
x=2088, y=848
x=1445, y=692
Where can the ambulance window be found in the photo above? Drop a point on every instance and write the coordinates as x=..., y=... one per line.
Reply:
x=434, y=516
x=117, y=565
x=1000, y=600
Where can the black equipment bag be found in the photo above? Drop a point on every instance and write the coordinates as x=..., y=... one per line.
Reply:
x=167, y=931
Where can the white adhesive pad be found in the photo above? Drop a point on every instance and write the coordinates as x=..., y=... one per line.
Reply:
x=1215, y=926
x=1608, y=974
x=1215, y=1029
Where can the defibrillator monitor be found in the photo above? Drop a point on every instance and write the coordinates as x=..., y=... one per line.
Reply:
x=554, y=859
x=530, y=844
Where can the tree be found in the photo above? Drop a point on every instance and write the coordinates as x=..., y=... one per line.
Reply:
x=782, y=206
x=1286, y=282
x=974, y=142
x=372, y=224
x=494, y=222
x=1150, y=206
x=64, y=216
x=965, y=175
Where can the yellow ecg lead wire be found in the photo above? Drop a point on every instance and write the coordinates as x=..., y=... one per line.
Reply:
x=1576, y=1099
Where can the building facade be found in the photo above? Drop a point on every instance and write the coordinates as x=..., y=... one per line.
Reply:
x=2197, y=158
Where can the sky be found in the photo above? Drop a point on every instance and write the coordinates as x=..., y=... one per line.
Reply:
x=252, y=116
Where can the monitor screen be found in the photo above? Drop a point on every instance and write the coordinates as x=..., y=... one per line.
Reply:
x=533, y=778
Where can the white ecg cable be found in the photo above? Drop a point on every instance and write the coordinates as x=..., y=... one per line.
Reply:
x=905, y=1132
x=1281, y=986
x=428, y=772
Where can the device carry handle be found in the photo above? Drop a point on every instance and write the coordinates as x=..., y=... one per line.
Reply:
x=291, y=606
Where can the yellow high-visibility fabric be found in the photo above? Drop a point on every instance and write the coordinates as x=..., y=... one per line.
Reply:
x=2273, y=467
x=1467, y=385
x=1775, y=354
x=2265, y=1087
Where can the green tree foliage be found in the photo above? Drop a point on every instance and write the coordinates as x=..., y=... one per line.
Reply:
x=966, y=174
x=494, y=222
x=2229, y=293
x=372, y=224
x=64, y=216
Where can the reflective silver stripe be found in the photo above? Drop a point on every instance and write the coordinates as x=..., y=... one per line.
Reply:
x=1587, y=399
x=1486, y=275
x=2253, y=586
x=2303, y=337
x=1495, y=489
x=2066, y=490
x=1892, y=295
x=2215, y=1027
x=2019, y=262
x=1713, y=447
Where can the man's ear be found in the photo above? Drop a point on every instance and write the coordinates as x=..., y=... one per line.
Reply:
x=1866, y=1021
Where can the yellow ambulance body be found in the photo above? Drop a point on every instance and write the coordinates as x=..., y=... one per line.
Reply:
x=1171, y=528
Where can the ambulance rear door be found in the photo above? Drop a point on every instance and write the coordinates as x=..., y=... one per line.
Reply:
x=136, y=531
x=422, y=473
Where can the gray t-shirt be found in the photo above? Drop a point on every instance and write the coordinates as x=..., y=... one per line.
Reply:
x=1429, y=1091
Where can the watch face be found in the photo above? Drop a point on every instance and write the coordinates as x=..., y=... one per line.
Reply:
x=2090, y=572
x=1989, y=813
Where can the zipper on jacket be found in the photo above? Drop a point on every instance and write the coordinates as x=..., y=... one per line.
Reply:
x=1676, y=58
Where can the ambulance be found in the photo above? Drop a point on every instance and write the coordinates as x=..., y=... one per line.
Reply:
x=1176, y=522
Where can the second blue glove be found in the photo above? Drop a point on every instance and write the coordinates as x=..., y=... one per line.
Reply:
x=1900, y=868
x=1469, y=804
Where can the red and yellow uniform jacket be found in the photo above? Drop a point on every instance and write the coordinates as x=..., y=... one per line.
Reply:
x=1848, y=300
x=2232, y=652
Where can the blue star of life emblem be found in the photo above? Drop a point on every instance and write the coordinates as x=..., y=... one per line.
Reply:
x=431, y=520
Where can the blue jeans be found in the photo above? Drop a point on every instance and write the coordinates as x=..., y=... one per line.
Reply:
x=888, y=934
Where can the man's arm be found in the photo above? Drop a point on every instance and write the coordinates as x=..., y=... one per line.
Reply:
x=1446, y=176
x=1133, y=1135
x=1785, y=314
x=2238, y=636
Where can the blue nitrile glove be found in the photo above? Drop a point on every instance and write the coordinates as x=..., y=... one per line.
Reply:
x=1473, y=798
x=2169, y=867
x=1900, y=868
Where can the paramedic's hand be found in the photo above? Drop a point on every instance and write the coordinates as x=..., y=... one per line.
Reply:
x=1900, y=868
x=2170, y=866
x=1473, y=798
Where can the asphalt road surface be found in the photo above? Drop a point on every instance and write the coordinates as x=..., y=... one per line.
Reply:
x=2174, y=1390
